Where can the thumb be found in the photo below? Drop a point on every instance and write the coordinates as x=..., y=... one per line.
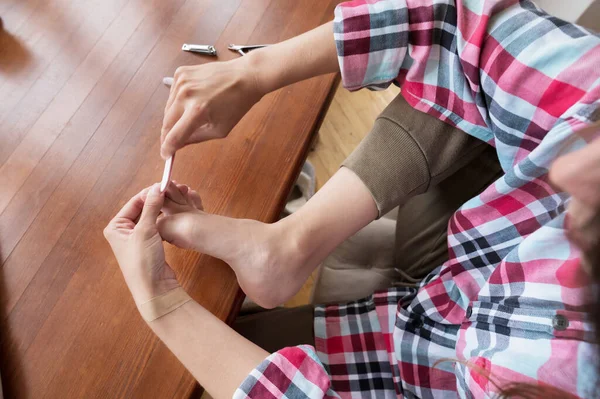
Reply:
x=152, y=205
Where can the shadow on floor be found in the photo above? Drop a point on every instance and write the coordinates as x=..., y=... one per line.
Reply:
x=14, y=56
x=11, y=368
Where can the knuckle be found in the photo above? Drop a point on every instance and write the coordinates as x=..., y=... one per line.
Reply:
x=198, y=108
x=171, y=141
x=186, y=90
x=153, y=202
x=167, y=124
x=179, y=88
x=180, y=71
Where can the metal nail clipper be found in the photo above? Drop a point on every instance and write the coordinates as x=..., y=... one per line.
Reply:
x=240, y=49
x=200, y=48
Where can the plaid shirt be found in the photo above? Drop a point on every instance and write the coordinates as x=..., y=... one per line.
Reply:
x=511, y=299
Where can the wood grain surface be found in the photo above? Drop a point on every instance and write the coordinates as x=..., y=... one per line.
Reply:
x=81, y=104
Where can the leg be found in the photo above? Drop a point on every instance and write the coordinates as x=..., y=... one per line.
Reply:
x=421, y=229
x=386, y=252
x=278, y=328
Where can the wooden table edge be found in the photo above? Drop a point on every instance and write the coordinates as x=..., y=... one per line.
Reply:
x=195, y=391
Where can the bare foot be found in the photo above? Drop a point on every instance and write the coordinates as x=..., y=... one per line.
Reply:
x=266, y=258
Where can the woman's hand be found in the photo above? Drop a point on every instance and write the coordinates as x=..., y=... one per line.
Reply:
x=139, y=251
x=578, y=173
x=138, y=247
x=206, y=102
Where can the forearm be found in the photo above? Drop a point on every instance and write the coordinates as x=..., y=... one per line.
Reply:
x=218, y=357
x=310, y=54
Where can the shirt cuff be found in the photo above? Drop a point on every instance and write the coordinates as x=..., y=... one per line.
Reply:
x=371, y=40
x=289, y=373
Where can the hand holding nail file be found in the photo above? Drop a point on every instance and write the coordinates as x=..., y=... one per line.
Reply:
x=167, y=173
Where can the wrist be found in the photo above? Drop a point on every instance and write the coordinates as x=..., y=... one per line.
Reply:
x=146, y=291
x=264, y=79
x=164, y=304
x=302, y=57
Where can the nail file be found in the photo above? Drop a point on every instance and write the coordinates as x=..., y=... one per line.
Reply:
x=167, y=174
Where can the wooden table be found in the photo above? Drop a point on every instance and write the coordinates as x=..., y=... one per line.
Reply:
x=81, y=106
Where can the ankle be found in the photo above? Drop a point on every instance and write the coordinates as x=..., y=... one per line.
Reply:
x=299, y=241
x=277, y=266
x=289, y=249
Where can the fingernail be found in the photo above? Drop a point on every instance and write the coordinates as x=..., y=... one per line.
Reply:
x=155, y=188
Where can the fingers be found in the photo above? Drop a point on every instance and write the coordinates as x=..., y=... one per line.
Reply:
x=577, y=173
x=172, y=115
x=177, y=137
x=152, y=206
x=175, y=81
x=179, y=78
x=590, y=133
x=132, y=209
x=583, y=227
x=127, y=215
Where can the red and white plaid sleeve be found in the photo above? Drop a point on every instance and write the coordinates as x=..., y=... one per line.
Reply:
x=294, y=372
x=372, y=42
x=471, y=63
